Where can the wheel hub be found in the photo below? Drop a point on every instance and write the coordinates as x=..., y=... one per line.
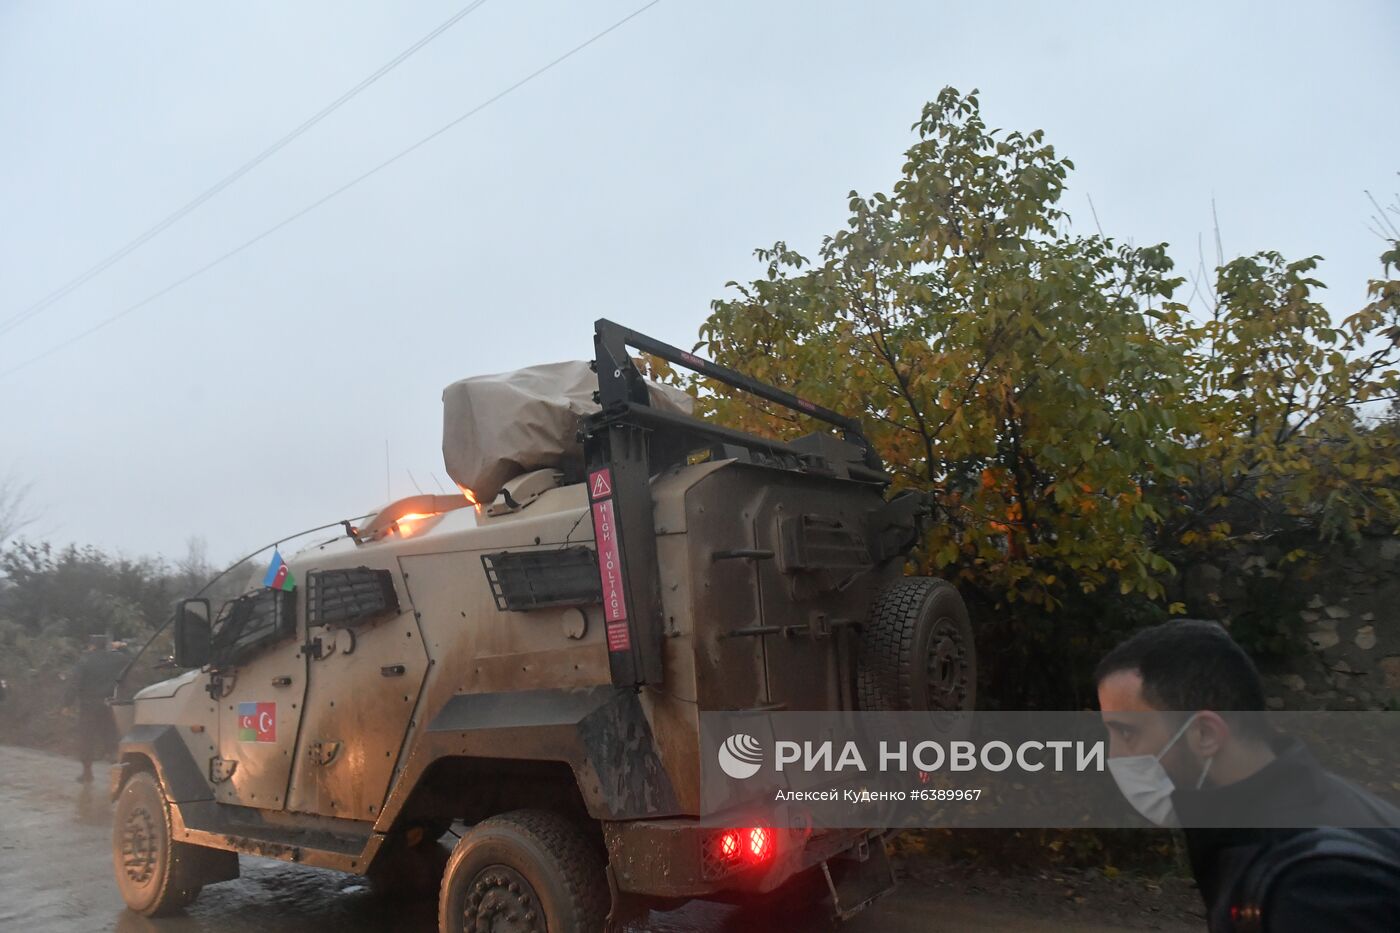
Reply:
x=139, y=845
x=499, y=900
x=947, y=668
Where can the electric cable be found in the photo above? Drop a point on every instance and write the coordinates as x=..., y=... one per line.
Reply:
x=224, y=257
x=212, y=191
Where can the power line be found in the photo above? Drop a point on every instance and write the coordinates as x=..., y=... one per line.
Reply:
x=333, y=194
x=43, y=303
x=219, y=260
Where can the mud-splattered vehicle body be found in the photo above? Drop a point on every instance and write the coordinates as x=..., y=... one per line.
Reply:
x=533, y=668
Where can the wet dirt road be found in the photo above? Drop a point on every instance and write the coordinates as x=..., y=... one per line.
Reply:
x=56, y=877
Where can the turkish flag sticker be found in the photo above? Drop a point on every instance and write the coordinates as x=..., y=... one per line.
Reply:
x=267, y=722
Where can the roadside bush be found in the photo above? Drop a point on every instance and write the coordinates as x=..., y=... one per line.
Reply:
x=1091, y=438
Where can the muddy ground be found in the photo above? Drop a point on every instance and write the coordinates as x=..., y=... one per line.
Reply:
x=55, y=877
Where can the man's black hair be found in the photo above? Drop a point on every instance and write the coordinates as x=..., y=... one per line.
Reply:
x=1189, y=665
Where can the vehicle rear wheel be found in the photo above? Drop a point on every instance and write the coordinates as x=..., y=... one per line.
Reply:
x=528, y=871
x=155, y=874
x=917, y=651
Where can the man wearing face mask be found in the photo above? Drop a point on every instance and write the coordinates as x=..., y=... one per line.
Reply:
x=1188, y=747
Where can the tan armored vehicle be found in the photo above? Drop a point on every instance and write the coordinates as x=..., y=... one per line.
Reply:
x=530, y=669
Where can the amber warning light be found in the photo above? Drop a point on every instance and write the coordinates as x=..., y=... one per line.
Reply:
x=406, y=525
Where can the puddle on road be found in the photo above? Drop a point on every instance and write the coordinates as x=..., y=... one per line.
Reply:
x=92, y=807
x=55, y=859
x=272, y=897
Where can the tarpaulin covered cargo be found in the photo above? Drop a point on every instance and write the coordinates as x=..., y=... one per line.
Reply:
x=496, y=427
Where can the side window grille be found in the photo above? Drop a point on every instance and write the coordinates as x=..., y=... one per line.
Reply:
x=350, y=597
x=522, y=580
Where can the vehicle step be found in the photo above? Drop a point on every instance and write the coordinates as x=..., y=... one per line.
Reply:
x=246, y=830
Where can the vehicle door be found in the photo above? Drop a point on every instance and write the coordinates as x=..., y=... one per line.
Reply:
x=366, y=665
x=258, y=682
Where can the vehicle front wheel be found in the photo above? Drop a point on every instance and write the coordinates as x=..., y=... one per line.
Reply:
x=528, y=871
x=155, y=874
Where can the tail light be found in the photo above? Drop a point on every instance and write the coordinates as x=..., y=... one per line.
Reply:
x=731, y=850
x=759, y=844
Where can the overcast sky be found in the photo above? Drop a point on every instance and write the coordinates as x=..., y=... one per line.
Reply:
x=631, y=182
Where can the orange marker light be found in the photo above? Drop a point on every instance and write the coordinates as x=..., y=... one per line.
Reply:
x=407, y=524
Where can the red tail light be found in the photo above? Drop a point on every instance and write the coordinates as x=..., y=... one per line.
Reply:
x=760, y=844
x=731, y=850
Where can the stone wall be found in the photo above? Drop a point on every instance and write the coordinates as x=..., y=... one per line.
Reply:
x=1352, y=626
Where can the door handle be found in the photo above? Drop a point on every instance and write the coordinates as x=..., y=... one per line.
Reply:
x=392, y=670
x=281, y=681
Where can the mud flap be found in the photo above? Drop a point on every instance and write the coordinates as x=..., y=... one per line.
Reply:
x=858, y=877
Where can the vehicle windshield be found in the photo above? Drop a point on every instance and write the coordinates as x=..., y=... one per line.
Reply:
x=153, y=662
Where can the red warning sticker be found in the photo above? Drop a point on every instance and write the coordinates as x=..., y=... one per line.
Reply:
x=619, y=638
x=600, y=484
x=609, y=561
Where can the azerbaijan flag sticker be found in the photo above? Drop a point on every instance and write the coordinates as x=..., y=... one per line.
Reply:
x=257, y=722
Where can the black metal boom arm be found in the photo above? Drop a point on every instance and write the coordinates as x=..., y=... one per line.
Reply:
x=624, y=445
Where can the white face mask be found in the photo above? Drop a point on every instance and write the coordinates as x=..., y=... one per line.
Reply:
x=1146, y=784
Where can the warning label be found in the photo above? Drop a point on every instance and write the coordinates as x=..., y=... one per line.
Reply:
x=609, y=561
x=600, y=484
x=619, y=638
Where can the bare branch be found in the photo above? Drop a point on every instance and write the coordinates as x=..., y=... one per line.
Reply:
x=15, y=511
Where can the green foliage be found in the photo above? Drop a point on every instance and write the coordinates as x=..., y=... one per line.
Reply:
x=1277, y=416
x=51, y=600
x=1018, y=370
x=1081, y=429
x=75, y=591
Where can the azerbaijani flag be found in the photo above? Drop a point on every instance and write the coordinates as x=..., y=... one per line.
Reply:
x=279, y=575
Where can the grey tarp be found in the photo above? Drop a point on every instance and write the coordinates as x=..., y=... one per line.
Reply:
x=496, y=427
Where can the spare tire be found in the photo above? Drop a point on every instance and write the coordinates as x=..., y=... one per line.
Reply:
x=916, y=650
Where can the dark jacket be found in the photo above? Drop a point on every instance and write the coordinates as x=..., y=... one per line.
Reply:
x=1313, y=881
x=94, y=676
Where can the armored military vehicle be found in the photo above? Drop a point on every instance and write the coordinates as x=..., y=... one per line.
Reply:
x=527, y=662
